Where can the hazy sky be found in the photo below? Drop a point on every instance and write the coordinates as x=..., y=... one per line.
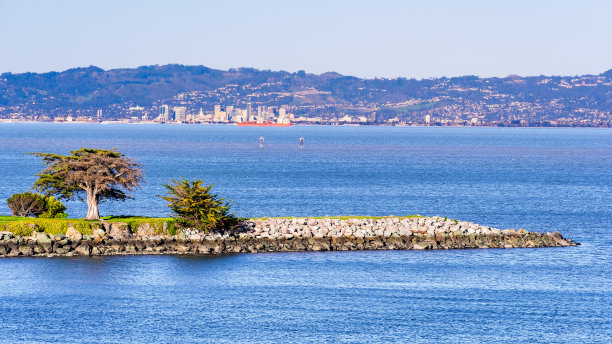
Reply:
x=375, y=38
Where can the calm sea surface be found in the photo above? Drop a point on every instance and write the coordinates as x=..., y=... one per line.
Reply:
x=537, y=179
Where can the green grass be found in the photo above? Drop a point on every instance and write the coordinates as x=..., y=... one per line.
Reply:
x=122, y=218
x=10, y=218
x=25, y=226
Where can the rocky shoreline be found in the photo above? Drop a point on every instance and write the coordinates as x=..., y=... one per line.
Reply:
x=280, y=235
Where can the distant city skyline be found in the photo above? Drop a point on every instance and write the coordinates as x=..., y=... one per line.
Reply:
x=383, y=39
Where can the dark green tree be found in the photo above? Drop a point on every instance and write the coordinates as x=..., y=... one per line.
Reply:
x=99, y=174
x=26, y=204
x=37, y=205
x=196, y=207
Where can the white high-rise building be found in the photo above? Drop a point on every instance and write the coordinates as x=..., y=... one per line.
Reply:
x=220, y=117
x=164, y=113
x=180, y=114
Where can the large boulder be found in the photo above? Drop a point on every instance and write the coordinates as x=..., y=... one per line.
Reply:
x=421, y=246
x=42, y=238
x=119, y=230
x=99, y=233
x=6, y=235
x=146, y=230
x=44, y=241
x=73, y=234
x=26, y=250
x=83, y=250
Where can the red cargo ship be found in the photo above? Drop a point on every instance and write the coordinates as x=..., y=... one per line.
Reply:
x=263, y=124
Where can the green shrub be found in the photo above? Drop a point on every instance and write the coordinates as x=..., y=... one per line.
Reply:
x=30, y=204
x=54, y=208
x=26, y=204
x=196, y=207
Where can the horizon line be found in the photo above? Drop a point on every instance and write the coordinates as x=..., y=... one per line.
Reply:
x=307, y=73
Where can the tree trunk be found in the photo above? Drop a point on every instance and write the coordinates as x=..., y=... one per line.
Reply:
x=92, y=206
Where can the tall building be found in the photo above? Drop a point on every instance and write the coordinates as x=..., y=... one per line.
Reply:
x=249, y=112
x=219, y=116
x=282, y=116
x=427, y=119
x=99, y=115
x=180, y=114
x=268, y=113
x=164, y=113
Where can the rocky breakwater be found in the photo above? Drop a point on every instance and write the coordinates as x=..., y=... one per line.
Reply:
x=281, y=235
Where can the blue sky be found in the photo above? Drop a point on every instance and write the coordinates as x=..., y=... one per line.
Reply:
x=380, y=38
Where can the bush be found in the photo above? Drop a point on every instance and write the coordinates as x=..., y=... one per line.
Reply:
x=29, y=204
x=26, y=204
x=54, y=208
x=195, y=206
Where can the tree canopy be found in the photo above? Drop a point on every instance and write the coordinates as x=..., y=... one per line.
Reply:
x=196, y=207
x=97, y=174
x=36, y=205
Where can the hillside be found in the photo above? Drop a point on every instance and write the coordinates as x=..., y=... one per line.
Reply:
x=81, y=91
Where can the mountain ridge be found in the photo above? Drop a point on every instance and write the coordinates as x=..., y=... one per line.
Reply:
x=82, y=90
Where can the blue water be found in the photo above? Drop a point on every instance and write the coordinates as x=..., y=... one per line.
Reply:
x=538, y=179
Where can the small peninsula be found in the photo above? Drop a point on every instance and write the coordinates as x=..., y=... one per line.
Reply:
x=203, y=223
x=25, y=237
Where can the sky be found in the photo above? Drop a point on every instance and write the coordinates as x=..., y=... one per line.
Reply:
x=378, y=38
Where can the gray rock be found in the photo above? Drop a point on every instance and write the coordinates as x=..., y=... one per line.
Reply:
x=63, y=241
x=83, y=250
x=405, y=231
x=6, y=235
x=99, y=233
x=421, y=246
x=120, y=230
x=59, y=237
x=61, y=250
x=73, y=234
x=42, y=238
x=26, y=250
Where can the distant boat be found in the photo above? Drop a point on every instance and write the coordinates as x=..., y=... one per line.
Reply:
x=263, y=124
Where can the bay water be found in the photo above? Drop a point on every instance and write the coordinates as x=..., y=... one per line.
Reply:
x=537, y=179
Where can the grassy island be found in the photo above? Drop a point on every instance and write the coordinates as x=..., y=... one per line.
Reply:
x=122, y=235
x=26, y=226
x=202, y=222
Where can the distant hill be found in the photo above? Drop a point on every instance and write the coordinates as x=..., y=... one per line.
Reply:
x=86, y=89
